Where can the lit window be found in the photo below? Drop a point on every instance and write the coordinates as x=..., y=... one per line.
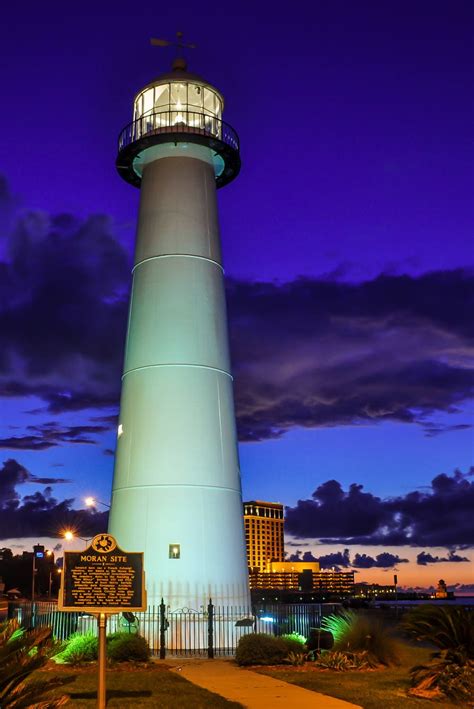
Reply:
x=174, y=551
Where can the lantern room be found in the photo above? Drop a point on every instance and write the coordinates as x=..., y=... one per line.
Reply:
x=178, y=107
x=171, y=103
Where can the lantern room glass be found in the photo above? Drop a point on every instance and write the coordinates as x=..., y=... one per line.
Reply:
x=177, y=104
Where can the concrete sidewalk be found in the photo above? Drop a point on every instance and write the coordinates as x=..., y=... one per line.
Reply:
x=251, y=689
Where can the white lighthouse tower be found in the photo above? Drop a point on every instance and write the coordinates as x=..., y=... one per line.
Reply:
x=176, y=491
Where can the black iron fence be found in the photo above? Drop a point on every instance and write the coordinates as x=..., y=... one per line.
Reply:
x=211, y=631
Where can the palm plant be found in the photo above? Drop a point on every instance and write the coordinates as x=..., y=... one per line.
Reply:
x=339, y=625
x=22, y=653
x=360, y=633
x=451, y=630
x=446, y=627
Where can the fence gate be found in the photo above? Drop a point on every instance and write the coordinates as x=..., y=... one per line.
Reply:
x=186, y=631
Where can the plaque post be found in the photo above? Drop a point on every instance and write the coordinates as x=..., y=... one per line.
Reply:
x=102, y=627
x=104, y=580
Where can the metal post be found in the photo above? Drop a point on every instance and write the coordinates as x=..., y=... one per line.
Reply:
x=33, y=580
x=395, y=582
x=210, y=630
x=101, y=690
x=163, y=628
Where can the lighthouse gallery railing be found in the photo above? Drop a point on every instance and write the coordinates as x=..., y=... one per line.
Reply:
x=174, y=121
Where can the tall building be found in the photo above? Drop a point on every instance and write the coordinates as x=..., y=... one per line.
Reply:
x=264, y=536
x=176, y=491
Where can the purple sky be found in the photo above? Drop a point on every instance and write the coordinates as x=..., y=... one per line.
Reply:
x=347, y=243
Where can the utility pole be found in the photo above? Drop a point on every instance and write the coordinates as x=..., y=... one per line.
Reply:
x=33, y=574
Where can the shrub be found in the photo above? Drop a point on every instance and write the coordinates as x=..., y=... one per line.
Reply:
x=261, y=649
x=22, y=653
x=343, y=661
x=294, y=638
x=457, y=680
x=123, y=647
x=446, y=627
x=79, y=648
x=362, y=633
x=451, y=670
x=293, y=643
x=297, y=658
x=446, y=674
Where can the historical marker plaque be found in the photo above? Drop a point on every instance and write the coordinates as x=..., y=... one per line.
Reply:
x=102, y=579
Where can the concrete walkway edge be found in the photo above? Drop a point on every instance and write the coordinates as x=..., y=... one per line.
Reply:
x=251, y=689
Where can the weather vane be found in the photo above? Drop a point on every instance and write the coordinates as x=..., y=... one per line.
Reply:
x=179, y=61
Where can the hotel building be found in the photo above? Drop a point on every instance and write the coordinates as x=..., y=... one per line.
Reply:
x=264, y=538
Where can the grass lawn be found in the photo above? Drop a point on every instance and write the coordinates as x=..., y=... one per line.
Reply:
x=128, y=686
x=378, y=689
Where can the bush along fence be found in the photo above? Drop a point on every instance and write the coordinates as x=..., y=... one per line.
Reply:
x=211, y=631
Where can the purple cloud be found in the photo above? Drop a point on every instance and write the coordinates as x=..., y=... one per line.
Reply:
x=310, y=353
x=13, y=474
x=324, y=353
x=50, y=434
x=385, y=560
x=439, y=517
x=424, y=558
x=40, y=514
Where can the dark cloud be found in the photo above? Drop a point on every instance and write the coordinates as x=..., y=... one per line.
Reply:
x=432, y=430
x=424, y=558
x=465, y=588
x=381, y=561
x=13, y=474
x=324, y=353
x=50, y=434
x=342, y=560
x=65, y=287
x=311, y=353
x=439, y=517
x=338, y=559
x=27, y=443
x=334, y=513
x=47, y=481
x=40, y=514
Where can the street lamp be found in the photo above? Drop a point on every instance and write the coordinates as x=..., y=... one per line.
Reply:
x=92, y=502
x=70, y=535
x=33, y=573
x=36, y=554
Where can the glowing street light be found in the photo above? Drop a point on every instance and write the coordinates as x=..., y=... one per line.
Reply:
x=92, y=502
x=69, y=535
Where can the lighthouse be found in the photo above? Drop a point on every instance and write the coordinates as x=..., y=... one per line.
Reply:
x=176, y=490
